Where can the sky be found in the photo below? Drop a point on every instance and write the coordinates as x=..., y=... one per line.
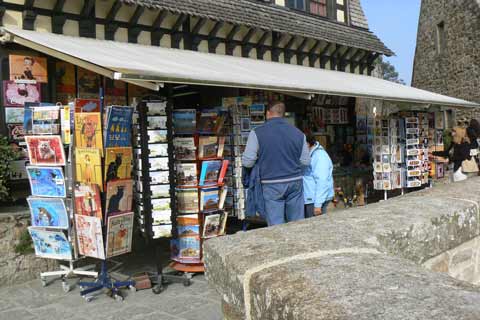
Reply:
x=395, y=22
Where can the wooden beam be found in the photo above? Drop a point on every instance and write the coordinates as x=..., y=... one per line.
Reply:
x=276, y=40
x=343, y=59
x=246, y=45
x=324, y=57
x=229, y=44
x=28, y=4
x=134, y=31
x=176, y=36
x=261, y=49
x=28, y=19
x=333, y=57
x=88, y=6
x=2, y=13
x=213, y=41
x=195, y=31
x=58, y=18
x=301, y=55
x=312, y=55
x=353, y=60
x=157, y=32
x=111, y=27
x=287, y=50
x=87, y=26
x=364, y=62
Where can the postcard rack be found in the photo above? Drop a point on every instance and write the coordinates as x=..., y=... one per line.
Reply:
x=154, y=183
x=51, y=178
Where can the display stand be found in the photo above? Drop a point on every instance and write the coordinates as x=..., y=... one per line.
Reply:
x=151, y=229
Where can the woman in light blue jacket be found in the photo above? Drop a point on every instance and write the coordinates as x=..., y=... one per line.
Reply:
x=317, y=180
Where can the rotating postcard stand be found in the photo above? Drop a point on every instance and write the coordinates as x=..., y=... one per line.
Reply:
x=154, y=183
x=51, y=201
x=103, y=191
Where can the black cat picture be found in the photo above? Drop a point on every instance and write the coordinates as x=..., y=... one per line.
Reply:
x=114, y=202
x=112, y=170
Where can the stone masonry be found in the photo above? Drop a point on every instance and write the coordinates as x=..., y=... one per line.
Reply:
x=455, y=71
x=16, y=267
x=389, y=260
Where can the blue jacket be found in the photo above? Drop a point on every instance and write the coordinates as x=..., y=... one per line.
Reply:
x=318, y=178
x=254, y=201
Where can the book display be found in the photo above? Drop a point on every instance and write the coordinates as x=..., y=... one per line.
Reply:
x=199, y=172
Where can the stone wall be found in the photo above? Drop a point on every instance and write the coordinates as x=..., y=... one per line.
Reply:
x=456, y=71
x=358, y=264
x=14, y=267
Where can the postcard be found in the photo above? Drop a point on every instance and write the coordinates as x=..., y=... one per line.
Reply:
x=158, y=150
x=187, y=200
x=157, y=122
x=162, y=231
x=157, y=164
x=14, y=115
x=89, y=236
x=28, y=68
x=211, y=226
x=46, y=120
x=257, y=109
x=161, y=217
x=186, y=174
x=87, y=105
x=184, y=121
x=119, y=196
x=189, y=247
x=50, y=244
x=119, y=234
x=118, y=163
x=88, y=130
x=45, y=150
x=159, y=177
x=118, y=131
x=160, y=191
x=48, y=212
x=47, y=181
x=88, y=166
x=157, y=108
x=157, y=136
x=161, y=204
x=188, y=225
x=245, y=124
x=209, y=199
x=210, y=172
x=87, y=200
x=88, y=84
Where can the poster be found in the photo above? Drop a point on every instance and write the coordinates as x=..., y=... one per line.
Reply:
x=87, y=105
x=115, y=92
x=47, y=181
x=87, y=200
x=89, y=236
x=48, y=212
x=118, y=131
x=118, y=163
x=88, y=84
x=14, y=115
x=88, y=130
x=45, y=150
x=119, y=234
x=88, y=166
x=16, y=132
x=28, y=68
x=65, y=81
x=119, y=196
x=50, y=244
x=16, y=94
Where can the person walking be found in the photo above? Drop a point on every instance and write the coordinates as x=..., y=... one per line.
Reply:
x=280, y=151
x=317, y=180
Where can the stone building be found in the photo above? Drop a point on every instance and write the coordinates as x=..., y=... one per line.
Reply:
x=447, y=58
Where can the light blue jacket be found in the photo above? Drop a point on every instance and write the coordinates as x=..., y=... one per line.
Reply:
x=318, y=178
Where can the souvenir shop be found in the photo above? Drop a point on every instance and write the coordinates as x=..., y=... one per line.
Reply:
x=127, y=139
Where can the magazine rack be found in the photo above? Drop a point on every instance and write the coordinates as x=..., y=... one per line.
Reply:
x=144, y=207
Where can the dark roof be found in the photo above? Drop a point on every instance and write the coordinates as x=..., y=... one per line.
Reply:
x=275, y=18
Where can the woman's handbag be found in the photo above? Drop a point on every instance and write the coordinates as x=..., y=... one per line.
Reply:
x=469, y=166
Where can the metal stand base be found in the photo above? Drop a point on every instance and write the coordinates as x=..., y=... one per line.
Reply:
x=67, y=272
x=104, y=281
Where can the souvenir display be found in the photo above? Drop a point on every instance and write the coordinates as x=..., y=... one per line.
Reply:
x=119, y=196
x=88, y=166
x=118, y=163
x=28, y=68
x=46, y=120
x=50, y=244
x=88, y=130
x=89, y=236
x=47, y=181
x=17, y=94
x=118, y=129
x=48, y=212
x=45, y=150
x=87, y=200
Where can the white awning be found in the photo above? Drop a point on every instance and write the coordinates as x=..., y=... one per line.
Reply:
x=151, y=65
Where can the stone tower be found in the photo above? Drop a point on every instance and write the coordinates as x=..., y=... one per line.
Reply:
x=447, y=57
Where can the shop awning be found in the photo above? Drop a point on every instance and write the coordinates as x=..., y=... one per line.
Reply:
x=150, y=66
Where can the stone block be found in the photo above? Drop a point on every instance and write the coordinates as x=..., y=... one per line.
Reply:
x=361, y=263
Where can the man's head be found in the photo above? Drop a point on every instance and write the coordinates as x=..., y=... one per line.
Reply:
x=275, y=109
x=311, y=140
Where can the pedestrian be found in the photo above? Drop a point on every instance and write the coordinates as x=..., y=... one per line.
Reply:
x=464, y=165
x=317, y=180
x=280, y=151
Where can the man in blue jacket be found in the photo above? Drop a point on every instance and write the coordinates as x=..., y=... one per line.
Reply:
x=281, y=151
x=317, y=180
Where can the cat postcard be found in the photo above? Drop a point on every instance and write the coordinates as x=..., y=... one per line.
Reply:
x=119, y=196
x=118, y=163
x=45, y=150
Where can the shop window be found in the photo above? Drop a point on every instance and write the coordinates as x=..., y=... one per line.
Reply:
x=296, y=4
x=441, y=38
x=318, y=7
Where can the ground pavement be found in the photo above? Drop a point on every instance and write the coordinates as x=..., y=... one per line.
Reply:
x=31, y=301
